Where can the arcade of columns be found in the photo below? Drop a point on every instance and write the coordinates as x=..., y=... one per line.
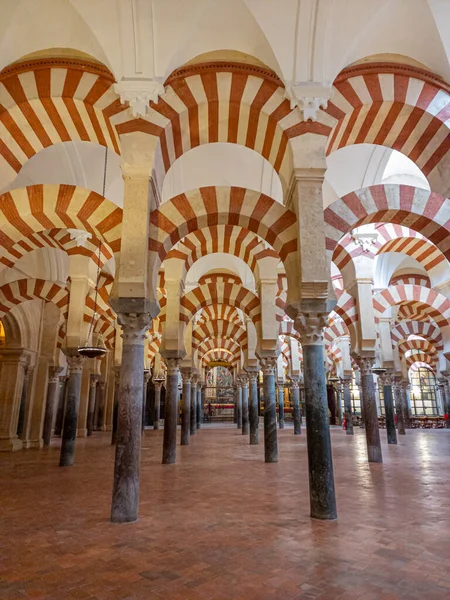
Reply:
x=314, y=308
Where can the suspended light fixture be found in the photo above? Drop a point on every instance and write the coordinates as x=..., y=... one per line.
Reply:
x=86, y=350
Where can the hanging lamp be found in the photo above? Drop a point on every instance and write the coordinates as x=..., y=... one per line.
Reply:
x=86, y=350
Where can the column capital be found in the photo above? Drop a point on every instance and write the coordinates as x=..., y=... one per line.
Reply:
x=53, y=374
x=268, y=364
x=386, y=379
x=93, y=382
x=252, y=376
x=173, y=365
x=346, y=382
x=295, y=382
x=75, y=363
x=134, y=326
x=311, y=326
x=186, y=375
x=365, y=364
x=101, y=384
x=244, y=379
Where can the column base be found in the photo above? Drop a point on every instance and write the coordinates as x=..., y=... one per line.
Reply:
x=81, y=433
x=10, y=444
x=34, y=444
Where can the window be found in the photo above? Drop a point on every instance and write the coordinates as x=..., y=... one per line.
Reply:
x=423, y=392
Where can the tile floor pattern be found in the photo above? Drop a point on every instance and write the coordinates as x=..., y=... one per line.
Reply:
x=222, y=524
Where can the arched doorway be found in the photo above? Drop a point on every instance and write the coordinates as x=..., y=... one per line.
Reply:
x=219, y=394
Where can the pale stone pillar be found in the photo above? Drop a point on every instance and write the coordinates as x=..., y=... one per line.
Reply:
x=37, y=400
x=50, y=407
x=125, y=496
x=75, y=366
x=12, y=375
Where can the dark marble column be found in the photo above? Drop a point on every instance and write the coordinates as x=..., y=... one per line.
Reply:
x=100, y=420
x=202, y=401
x=125, y=497
x=69, y=433
x=405, y=405
x=296, y=405
x=186, y=407
x=158, y=385
x=245, y=417
x=91, y=405
x=52, y=396
x=193, y=405
x=399, y=407
x=239, y=404
x=269, y=365
x=369, y=402
x=386, y=382
x=280, y=391
x=171, y=412
x=115, y=405
x=199, y=405
x=23, y=402
x=348, y=415
x=320, y=461
x=253, y=407
x=147, y=376
x=61, y=405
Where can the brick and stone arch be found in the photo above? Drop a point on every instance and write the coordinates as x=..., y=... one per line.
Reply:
x=398, y=106
x=219, y=312
x=219, y=328
x=27, y=211
x=403, y=330
x=205, y=207
x=419, y=345
x=51, y=101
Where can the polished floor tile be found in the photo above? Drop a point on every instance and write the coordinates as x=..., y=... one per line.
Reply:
x=222, y=524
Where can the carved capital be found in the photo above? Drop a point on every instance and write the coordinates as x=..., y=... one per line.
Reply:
x=385, y=379
x=365, y=364
x=309, y=98
x=101, y=385
x=252, y=376
x=93, y=382
x=346, y=382
x=311, y=326
x=244, y=380
x=186, y=376
x=147, y=377
x=134, y=326
x=295, y=383
x=268, y=365
x=173, y=365
x=138, y=93
x=53, y=374
x=75, y=363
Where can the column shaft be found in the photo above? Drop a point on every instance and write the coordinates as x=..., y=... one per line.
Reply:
x=320, y=462
x=245, y=422
x=348, y=407
x=193, y=407
x=186, y=410
x=253, y=408
x=61, y=405
x=125, y=496
x=199, y=406
x=91, y=406
x=280, y=406
x=158, y=386
x=370, y=411
x=270, y=410
x=69, y=432
x=296, y=407
x=115, y=405
x=389, y=410
x=399, y=409
x=171, y=412
x=52, y=396
x=239, y=405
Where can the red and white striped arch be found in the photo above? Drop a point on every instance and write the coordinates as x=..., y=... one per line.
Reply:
x=22, y=290
x=228, y=239
x=403, y=330
x=220, y=355
x=437, y=305
x=220, y=312
x=219, y=293
x=421, y=210
x=422, y=359
x=209, y=206
x=219, y=329
x=219, y=343
x=422, y=280
x=336, y=328
x=415, y=366
x=417, y=345
x=222, y=102
x=398, y=106
x=25, y=212
x=49, y=101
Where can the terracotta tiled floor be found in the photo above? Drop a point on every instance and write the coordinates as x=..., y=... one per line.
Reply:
x=221, y=524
